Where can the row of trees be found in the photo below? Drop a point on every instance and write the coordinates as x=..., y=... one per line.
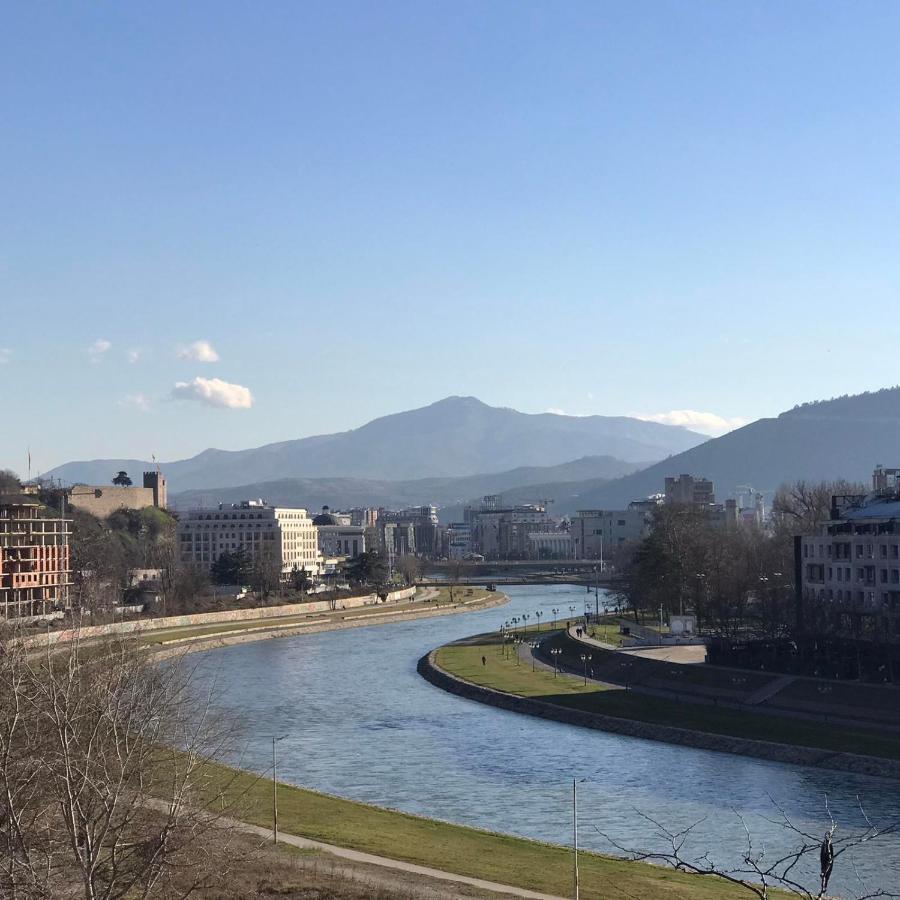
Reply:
x=732, y=579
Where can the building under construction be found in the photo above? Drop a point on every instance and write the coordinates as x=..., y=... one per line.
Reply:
x=35, y=565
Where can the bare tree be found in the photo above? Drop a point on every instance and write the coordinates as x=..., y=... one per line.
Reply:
x=760, y=873
x=410, y=567
x=801, y=507
x=102, y=764
x=265, y=573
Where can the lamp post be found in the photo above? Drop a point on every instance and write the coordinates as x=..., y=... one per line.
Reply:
x=538, y=615
x=525, y=618
x=555, y=612
x=585, y=659
x=534, y=645
x=275, y=741
x=575, y=834
x=554, y=652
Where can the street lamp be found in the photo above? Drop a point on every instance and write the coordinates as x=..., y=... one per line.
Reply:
x=554, y=652
x=525, y=618
x=538, y=613
x=555, y=612
x=534, y=645
x=275, y=741
x=518, y=641
x=585, y=659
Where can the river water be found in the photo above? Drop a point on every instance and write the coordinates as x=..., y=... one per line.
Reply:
x=361, y=723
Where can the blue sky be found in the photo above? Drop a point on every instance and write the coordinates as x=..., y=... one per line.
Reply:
x=593, y=207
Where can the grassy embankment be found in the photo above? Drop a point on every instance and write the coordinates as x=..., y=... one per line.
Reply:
x=442, y=599
x=455, y=848
x=502, y=673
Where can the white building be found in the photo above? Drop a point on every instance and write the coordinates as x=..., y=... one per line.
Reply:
x=549, y=545
x=337, y=538
x=287, y=534
x=460, y=540
x=595, y=531
x=854, y=561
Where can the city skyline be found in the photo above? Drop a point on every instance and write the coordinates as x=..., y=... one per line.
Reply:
x=225, y=229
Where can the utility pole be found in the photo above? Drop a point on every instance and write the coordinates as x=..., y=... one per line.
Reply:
x=274, y=790
x=575, y=834
x=275, y=786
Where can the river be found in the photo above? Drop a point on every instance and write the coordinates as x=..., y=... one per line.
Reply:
x=361, y=723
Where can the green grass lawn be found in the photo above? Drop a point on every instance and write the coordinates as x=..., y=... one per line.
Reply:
x=455, y=848
x=502, y=673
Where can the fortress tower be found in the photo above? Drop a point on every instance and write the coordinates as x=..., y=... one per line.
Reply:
x=156, y=481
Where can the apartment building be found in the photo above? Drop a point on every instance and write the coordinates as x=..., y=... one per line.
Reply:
x=500, y=531
x=686, y=489
x=287, y=534
x=594, y=531
x=854, y=559
x=35, y=561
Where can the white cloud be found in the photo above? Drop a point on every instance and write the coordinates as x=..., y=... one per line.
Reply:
x=556, y=411
x=134, y=355
x=5, y=355
x=704, y=422
x=98, y=348
x=214, y=392
x=199, y=351
x=136, y=401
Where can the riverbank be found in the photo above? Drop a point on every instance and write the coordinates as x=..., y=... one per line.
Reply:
x=481, y=669
x=452, y=850
x=435, y=602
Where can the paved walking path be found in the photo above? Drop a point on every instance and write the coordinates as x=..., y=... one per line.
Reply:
x=768, y=691
x=383, y=861
x=371, y=859
x=682, y=654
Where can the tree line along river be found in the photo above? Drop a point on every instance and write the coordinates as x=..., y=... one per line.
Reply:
x=361, y=723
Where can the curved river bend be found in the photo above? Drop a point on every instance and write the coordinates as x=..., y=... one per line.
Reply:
x=361, y=723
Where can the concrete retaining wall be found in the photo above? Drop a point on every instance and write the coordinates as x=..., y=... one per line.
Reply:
x=804, y=756
x=214, y=618
x=194, y=645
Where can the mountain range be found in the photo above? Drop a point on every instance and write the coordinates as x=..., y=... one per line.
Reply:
x=561, y=484
x=438, y=454
x=840, y=438
x=458, y=436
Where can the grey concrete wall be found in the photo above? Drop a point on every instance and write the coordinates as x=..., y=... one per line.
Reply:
x=213, y=618
x=804, y=756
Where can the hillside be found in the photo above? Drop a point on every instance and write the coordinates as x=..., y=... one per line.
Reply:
x=841, y=438
x=518, y=485
x=458, y=436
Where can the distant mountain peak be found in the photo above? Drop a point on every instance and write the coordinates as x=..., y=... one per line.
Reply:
x=453, y=437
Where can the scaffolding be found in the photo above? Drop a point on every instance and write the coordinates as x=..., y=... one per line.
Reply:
x=35, y=558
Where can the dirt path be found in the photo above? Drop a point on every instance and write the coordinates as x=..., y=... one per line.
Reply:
x=357, y=856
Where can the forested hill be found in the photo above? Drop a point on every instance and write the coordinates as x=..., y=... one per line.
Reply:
x=840, y=438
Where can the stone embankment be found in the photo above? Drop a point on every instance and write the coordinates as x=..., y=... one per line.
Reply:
x=215, y=618
x=787, y=753
x=333, y=623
